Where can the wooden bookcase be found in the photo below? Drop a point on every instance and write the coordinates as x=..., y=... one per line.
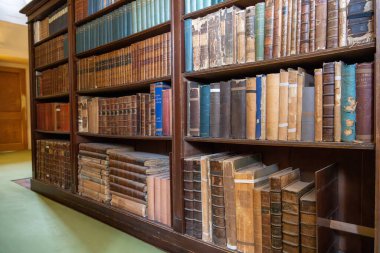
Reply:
x=358, y=228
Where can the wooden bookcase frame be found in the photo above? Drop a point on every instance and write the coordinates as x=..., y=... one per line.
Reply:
x=173, y=239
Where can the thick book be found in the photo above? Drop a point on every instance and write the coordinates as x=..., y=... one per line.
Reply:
x=337, y=102
x=251, y=111
x=260, y=30
x=238, y=109
x=193, y=90
x=328, y=101
x=272, y=106
x=307, y=124
x=332, y=23
x=318, y=104
x=268, y=29
x=188, y=45
x=308, y=228
x=364, y=108
x=348, y=101
x=250, y=51
x=204, y=111
x=320, y=24
x=215, y=110
x=283, y=106
x=225, y=109
x=292, y=105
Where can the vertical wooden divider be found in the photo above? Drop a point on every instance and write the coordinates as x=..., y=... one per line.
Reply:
x=178, y=125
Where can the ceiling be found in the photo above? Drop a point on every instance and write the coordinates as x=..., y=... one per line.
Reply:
x=9, y=11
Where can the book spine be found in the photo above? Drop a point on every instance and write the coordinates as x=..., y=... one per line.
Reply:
x=272, y=106
x=194, y=109
x=312, y=26
x=293, y=40
x=196, y=45
x=320, y=24
x=318, y=104
x=238, y=109
x=348, y=102
x=188, y=46
x=215, y=110
x=259, y=88
x=292, y=113
x=337, y=104
x=332, y=23
x=240, y=33
x=266, y=226
x=328, y=101
x=259, y=29
x=203, y=44
x=307, y=127
x=268, y=29
x=205, y=111
x=250, y=34
x=251, y=95
x=283, y=106
x=277, y=28
x=342, y=27
x=225, y=109
x=305, y=19
x=284, y=31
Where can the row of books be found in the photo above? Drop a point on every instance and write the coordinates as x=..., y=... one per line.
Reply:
x=143, y=114
x=53, y=163
x=334, y=105
x=195, y=5
x=50, y=25
x=84, y=8
x=137, y=182
x=235, y=201
x=51, y=51
x=129, y=19
x=53, y=117
x=275, y=29
x=52, y=81
x=141, y=61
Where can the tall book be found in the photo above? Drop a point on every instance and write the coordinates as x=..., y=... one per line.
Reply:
x=305, y=26
x=308, y=226
x=332, y=23
x=312, y=26
x=292, y=101
x=277, y=183
x=251, y=111
x=230, y=47
x=277, y=28
x=283, y=106
x=348, y=113
x=205, y=111
x=246, y=179
x=215, y=110
x=268, y=29
x=337, y=101
x=364, y=108
x=318, y=104
x=203, y=44
x=320, y=24
x=238, y=109
x=250, y=51
x=259, y=29
x=293, y=35
x=298, y=27
x=328, y=101
x=231, y=167
x=259, y=111
x=272, y=106
x=188, y=45
x=214, y=39
x=284, y=27
x=193, y=92
x=240, y=36
x=196, y=44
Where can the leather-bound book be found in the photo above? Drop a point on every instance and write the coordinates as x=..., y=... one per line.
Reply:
x=291, y=213
x=305, y=26
x=223, y=35
x=307, y=124
x=308, y=208
x=240, y=33
x=230, y=36
x=166, y=112
x=337, y=103
x=364, y=108
x=348, y=102
x=194, y=108
x=250, y=50
x=214, y=39
x=277, y=28
x=246, y=179
x=215, y=110
x=197, y=174
x=269, y=17
x=289, y=27
x=277, y=182
x=230, y=168
x=238, y=109
x=258, y=216
x=205, y=111
x=260, y=106
x=203, y=44
x=283, y=106
x=217, y=201
x=272, y=106
x=332, y=23
x=360, y=27
x=293, y=40
x=265, y=220
x=292, y=101
x=225, y=109
x=196, y=46
x=312, y=26
x=259, y=29
x=342, y=27
x=328, y=101
x=284, y=27
x=320, y=24
x=251, y=103
x=298, y=35
x=318, y=104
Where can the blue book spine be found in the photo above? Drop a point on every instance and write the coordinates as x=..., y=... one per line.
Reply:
x=187, y=6
x=205, y=111
x=258, y=106
x=134, y=18
x=193, y=5
x=124, y=21
x=162, y=11
x=129, y=20
x=159, y=87
x=143, y=15
x=157, y=12
x=89, y=7
x=153, y=13
x=139, y=24
x=348, y=102
x=148, y=14
x=188, y=45
x=206, y=3
x=167, y=10
x=199, y=4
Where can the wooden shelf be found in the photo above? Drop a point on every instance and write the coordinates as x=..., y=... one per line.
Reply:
x=52, y=65
x=63, y=31
x=55, y=96
x=148, y=33
x=304, y=60
x=147, y=138
x=126, y=87
x=297, y=144
x=52, y=132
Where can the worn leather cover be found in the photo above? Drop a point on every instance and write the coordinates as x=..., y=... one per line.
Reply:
x=332, y=23
x=293, y=41
x=337, y=102
x=292, y=112
x=283, y=106
x=250, y=51
x=215, y=110
x=238, y=109
x=272, y=106
x=298, y=35
x=225, y=109
x=328, y=101
x=364, y=109
x=312, y=26
x=284, y=27
x=230, y=36
x=318, y=104
x=320, y=24
x=342, y=27
x=194, y=108
x=305, y=26
x=269, y=18
x=259, y=29
x=265, y=218
x=214, y=39
x=196, y=46
x=348, y=103
x=241, y=36
x=251, y=95
x=277, y=28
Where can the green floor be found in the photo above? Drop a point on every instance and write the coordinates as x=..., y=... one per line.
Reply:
x=32, y=223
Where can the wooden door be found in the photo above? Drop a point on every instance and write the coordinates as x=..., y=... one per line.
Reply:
x=13, y=129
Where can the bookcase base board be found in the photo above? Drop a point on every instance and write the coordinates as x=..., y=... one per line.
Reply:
x=153, y=233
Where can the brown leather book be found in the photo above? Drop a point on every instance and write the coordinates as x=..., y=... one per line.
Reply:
x=337, y=104
x=268, y=35
x=230, y=168
x=293, y=46
x=312, y=27
x=305, y=27
x=230, y=36
x=129, y=205
x=292, y=101
x=265, y=219
x=342, y=27
x=318, y=107
x=258, y=217
x=241, y=34
x=332, y=23
x=284, y=27
x=320, y=24
x=197, y=204
x=277, y=28
x=128, y=191
x=128, y=183
x=250, y=51
x=364, y=108
x=289, y=26
x=272, y=106
x=213, y=23
x=238, y=109
x=128, y=175
x=150, y=186
x=251, y=108
x=196, y=44
x=308, y=229
x=194, y=108
x=298, y=35
x=225, y=109
x=328, y=101
x=283, y=106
